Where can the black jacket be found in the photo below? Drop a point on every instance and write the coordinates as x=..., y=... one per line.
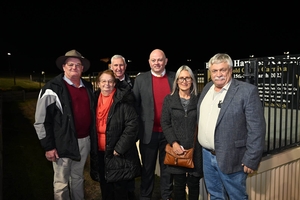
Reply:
x=54, y=123
x=121, y=132
x=180, y=126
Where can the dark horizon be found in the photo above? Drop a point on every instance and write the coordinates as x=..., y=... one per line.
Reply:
x=36, y=34
x=22, y=64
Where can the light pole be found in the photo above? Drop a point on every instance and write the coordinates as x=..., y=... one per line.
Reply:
x=44, y=78
x=9, y=62
x=9, y=67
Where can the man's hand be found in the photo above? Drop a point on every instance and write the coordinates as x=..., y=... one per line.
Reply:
x=247, y=170
x=52, y=155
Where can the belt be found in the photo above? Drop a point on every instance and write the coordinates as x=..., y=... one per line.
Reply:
x=213, y=152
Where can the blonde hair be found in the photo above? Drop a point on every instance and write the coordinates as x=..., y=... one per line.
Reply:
x=193, y=86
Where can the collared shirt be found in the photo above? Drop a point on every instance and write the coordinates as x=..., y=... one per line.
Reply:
x=162, y=74
x=71, y=83
x=209, y=112
x=122, y=79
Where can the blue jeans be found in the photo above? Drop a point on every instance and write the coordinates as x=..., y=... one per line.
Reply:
x=220, y=185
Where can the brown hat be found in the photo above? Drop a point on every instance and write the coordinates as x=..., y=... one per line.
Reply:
x=73, y=54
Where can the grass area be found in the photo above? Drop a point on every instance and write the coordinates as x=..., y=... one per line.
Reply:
x=19, y=83
x=26, y=174
x=24, y=164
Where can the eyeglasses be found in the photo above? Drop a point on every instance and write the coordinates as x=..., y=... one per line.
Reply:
x=187, y=79
x=107, y=81
x=70, y=65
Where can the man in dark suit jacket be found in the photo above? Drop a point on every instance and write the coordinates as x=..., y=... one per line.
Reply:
x=149, y=89
x=231, y=131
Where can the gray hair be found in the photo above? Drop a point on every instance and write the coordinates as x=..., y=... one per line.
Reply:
x=220, y=58
x=118, y=56
x=193, y=86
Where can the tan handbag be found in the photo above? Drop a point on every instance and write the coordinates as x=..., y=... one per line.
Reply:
x=184, y=160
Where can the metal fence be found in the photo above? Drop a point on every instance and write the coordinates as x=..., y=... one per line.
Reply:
x=277, y=79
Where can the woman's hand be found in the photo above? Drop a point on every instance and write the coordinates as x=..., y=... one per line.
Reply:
x=116, y=153
x=179, y=150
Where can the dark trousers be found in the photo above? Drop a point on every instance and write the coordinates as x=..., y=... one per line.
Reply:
x=112, y=191
x=131, y=189
x=180, y=183
x=149, y=157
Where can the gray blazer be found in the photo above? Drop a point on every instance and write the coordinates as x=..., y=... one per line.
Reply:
x=240, y=128
x=142, y=90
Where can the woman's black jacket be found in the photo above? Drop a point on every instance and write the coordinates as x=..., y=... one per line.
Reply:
x=180, y=126
x=121, y=131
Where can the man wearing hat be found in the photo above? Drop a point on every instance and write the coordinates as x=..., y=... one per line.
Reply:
x=64, y=122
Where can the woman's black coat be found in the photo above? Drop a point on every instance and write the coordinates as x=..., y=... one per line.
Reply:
x=180, y=126
x=121, y=132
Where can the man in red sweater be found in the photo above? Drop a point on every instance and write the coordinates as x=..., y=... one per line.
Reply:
x=150, y=89
x=64, y=121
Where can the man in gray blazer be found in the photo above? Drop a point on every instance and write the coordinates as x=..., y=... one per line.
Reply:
x=231, y=131
x=150, y=89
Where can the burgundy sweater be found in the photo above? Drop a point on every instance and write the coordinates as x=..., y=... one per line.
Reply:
x=81, y=110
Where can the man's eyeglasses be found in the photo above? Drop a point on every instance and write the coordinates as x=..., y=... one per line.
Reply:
x=187, y=79
x=77, y=65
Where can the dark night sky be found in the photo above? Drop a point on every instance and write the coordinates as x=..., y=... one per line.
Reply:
x=37, y=32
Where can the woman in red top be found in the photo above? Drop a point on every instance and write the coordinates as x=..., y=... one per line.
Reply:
x=114, y=155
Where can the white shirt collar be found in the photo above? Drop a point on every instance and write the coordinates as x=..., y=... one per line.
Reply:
x=70, y=82
x=162, y=74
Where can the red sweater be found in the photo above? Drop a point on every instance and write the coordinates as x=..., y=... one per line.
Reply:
x=161, y=89
x=81, y=110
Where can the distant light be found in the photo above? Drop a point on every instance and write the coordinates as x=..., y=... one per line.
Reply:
x=9, y=54
x=286, y=52
x=251, y=56
x=129, y=61
x=189, y=60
